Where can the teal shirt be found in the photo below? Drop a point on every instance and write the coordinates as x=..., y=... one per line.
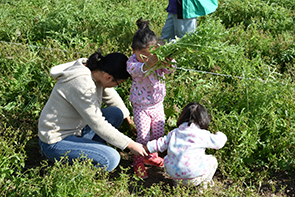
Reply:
x=195, y=8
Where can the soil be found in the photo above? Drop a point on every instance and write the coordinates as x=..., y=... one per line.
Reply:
x=158, y=175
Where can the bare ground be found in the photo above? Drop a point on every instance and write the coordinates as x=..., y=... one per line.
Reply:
x=158, y=175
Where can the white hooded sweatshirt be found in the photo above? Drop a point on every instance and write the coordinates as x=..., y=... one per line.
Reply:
x=75, y=101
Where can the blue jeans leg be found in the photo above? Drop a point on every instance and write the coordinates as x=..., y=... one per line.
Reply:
x=167, y=32
x=183, y=26
x=89, y=144
x=177, y=27
x=113, y=115
x=73, y=147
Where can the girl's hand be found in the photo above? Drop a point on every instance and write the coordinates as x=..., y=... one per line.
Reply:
x=137, y=149
x=153, y=59
x=167, y=63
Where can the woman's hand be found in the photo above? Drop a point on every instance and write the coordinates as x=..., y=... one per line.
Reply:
x=131, y=124
x=146, y=149
x=137, y=149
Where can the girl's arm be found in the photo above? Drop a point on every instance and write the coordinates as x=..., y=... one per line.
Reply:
x=139, y=69
x=134, y=67
x=160, y=144
x=150, y=63
x=168, y=68
x=217, y=140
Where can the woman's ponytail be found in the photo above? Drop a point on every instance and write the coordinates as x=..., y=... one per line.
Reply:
x=93, y=62
x=114, y=64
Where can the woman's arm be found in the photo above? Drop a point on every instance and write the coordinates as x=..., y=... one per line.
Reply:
x=111, y=97
x=84, y=98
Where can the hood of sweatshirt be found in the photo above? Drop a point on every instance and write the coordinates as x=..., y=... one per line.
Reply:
x=68, y=71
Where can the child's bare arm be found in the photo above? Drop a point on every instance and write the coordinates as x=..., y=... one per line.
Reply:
x=150, y=63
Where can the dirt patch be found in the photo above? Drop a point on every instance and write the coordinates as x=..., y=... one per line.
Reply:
x=158, y=175
x=282, y=184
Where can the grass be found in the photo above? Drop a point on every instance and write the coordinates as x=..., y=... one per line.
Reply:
x=247, y=85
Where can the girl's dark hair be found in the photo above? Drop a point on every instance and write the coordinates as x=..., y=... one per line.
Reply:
x=194, y=113
x=114, y=64
x=144, y=36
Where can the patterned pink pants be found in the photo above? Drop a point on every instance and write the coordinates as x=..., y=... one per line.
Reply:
x=150, y=123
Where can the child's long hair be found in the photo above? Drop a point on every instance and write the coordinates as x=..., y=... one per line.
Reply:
x=144, y=37
x=194, y=113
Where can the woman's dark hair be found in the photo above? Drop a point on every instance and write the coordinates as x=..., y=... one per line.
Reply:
x=194, y=113
x=144, y=36
x=114, y=64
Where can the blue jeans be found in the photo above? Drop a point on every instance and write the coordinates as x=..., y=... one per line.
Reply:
x=89, y=144
x=177, y=27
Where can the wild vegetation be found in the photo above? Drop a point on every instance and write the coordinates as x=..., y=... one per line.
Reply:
x=240, y=66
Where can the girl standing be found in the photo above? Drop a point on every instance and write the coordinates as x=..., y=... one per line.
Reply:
x=147, y=94
x=186, y=161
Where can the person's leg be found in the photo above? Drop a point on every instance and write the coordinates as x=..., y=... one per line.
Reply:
x=158, y=122
x=74, y=147
x=89, y=143
x=113, y=115
x=157, y=130
x=167, y=32
x=206, y=179
x=211, y=164
x=183, y=26
x=142, y=122
x=190, y=182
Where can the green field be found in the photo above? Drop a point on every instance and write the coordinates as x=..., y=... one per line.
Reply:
x=242, y=69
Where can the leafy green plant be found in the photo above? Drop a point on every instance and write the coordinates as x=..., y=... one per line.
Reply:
x=265, y=14
x=10, y=163
x=239, y=64
x=200, y=50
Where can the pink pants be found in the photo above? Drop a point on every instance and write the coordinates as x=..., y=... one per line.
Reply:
x=150, y=123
